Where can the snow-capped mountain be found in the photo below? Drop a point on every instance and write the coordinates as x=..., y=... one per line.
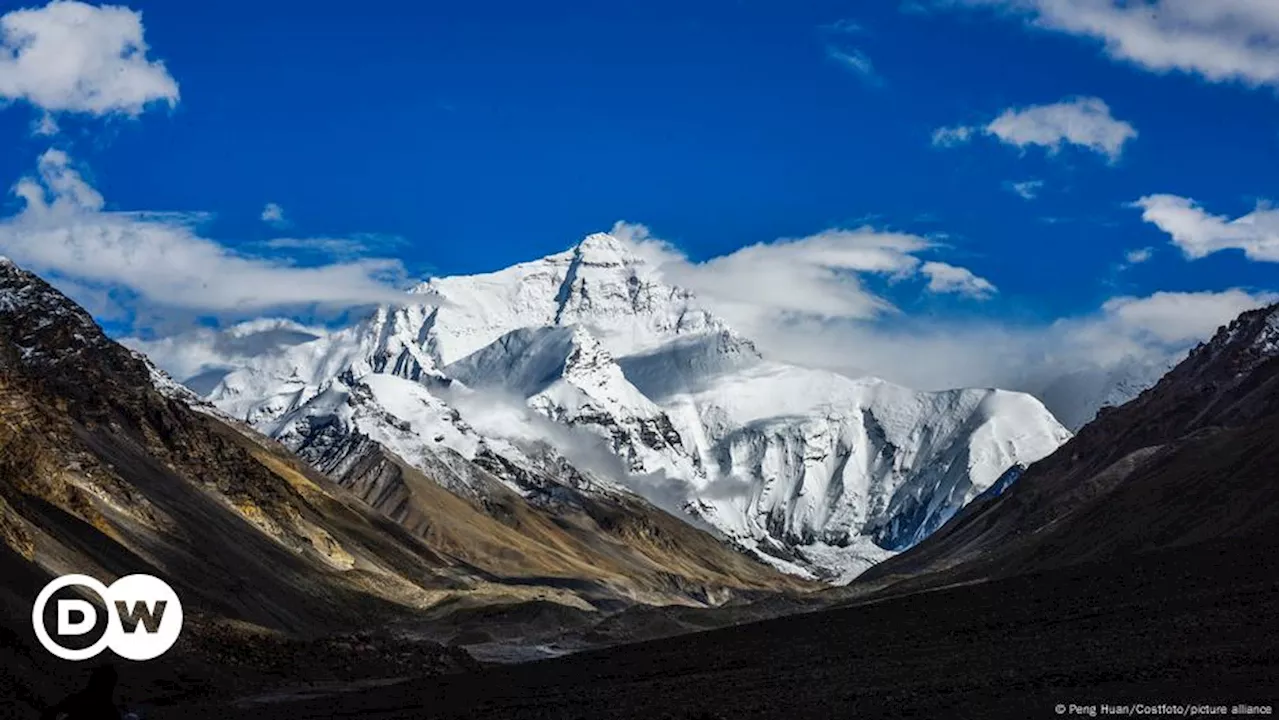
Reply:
x=591, y=352
x=823, y=471
x=600, y=284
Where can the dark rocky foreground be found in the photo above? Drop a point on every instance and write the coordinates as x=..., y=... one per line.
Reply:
x=1192, y=625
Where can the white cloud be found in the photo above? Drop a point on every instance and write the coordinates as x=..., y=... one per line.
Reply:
x=1084, y=122
x=952, y=136
x=73, y=57
x=44, y=126
x=273, y=215
x=944, y=279
x=1219, y=40
x=160, y=259
x=1197, y=233
x=1138, y=256
x=1177, y=318
x=821, y=276
x=1056, y=360
x=857, y=62
x=1027, y=189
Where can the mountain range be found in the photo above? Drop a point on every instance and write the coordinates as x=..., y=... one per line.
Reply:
x=589, y=459
x=589, y=359
x=1132, y=571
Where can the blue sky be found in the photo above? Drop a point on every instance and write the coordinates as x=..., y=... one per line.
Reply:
x=463, y=137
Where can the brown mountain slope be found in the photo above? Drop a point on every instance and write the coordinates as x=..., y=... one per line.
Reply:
x=1190, y=460
x=604, y=546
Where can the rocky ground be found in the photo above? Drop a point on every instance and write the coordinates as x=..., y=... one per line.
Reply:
x=1186, y=626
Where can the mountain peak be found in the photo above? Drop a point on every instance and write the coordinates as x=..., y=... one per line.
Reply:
x=1256, y=329
x=42, y=324
x=604, y=249
x=1236, y=350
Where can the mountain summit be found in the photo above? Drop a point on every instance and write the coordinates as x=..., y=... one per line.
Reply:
x=602, y=284
x=591, y=359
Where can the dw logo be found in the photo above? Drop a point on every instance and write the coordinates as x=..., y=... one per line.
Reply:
x=142, y=620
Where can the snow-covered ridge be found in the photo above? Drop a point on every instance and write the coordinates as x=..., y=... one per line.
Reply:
x=600, y=284
x=817, y=473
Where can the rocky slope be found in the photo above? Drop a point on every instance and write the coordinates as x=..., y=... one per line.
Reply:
x=105, y=473
x=589, y=359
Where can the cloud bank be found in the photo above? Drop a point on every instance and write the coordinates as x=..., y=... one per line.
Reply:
x=811, y=302
x=160, y=260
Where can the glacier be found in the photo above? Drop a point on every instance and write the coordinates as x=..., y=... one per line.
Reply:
x=590, y=353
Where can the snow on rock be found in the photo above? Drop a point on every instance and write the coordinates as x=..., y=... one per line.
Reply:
x=272, y=384
x=836, y=472
x=819, y=474
x=600, y=285
x=565, y=374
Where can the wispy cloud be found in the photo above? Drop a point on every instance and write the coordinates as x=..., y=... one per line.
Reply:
x=823, y=276
x=44, y=125
x=360, y=244
x=857, y=62
x=1138, y=256
x=946, y=137
x=844, y=26
x=1026, y=189
x=1084, y=122
x=949, y=279
x=273, y=215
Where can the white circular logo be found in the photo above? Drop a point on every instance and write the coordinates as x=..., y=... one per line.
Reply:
x=143, y=617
